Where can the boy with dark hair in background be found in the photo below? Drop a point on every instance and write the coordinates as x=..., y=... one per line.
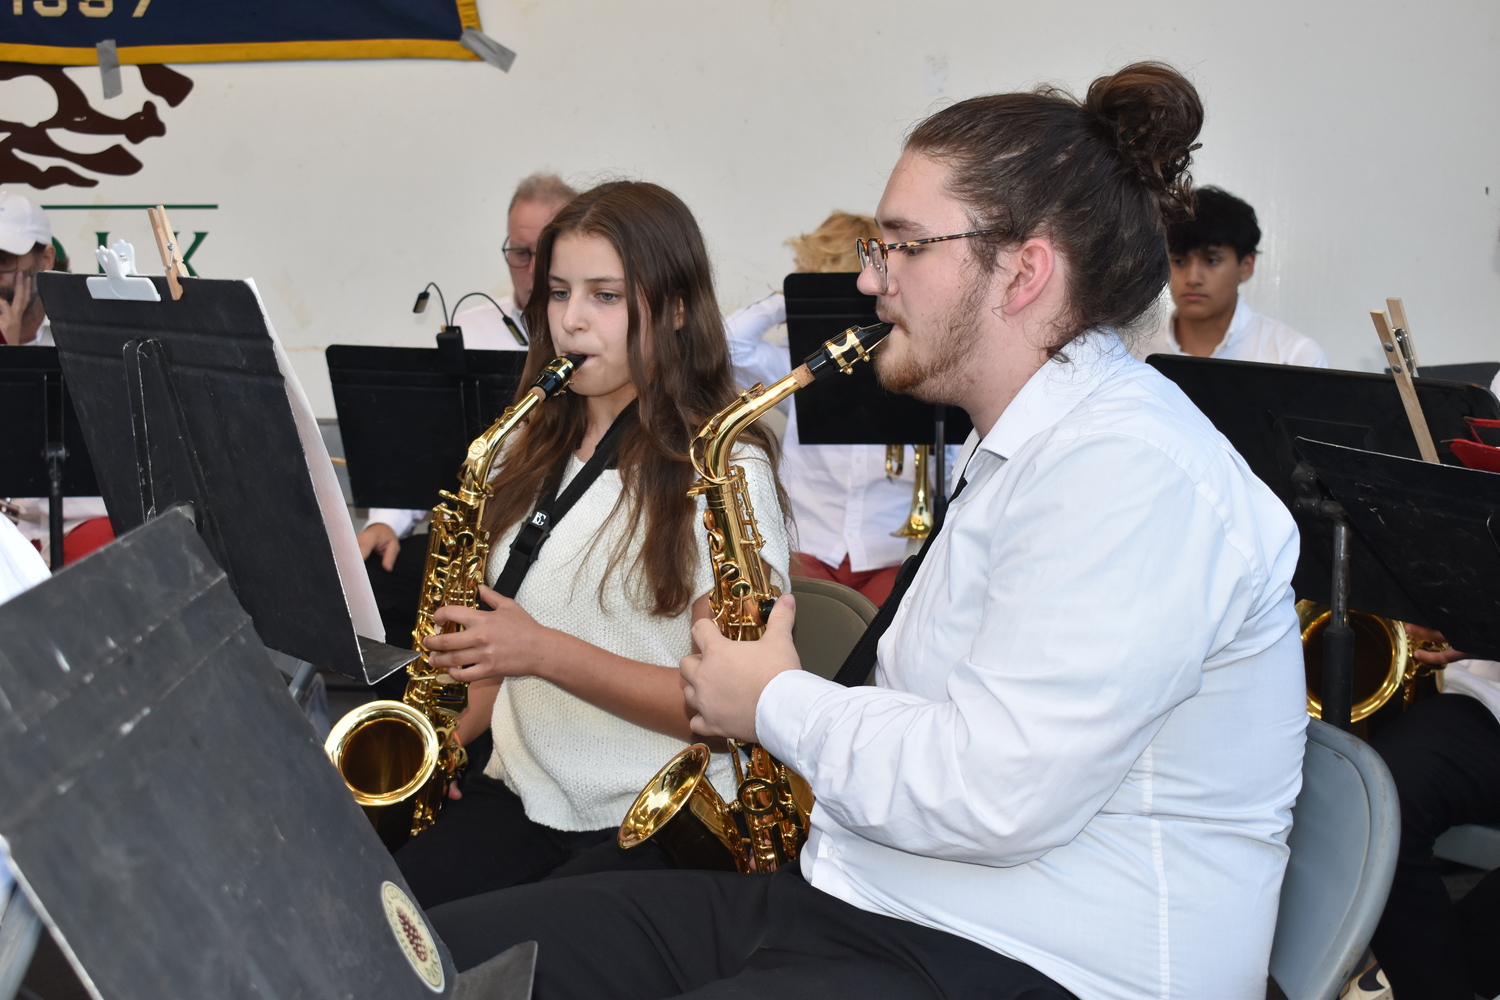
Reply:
x=1211, y=255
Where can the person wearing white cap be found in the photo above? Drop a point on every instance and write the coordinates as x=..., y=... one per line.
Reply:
x=25, y=249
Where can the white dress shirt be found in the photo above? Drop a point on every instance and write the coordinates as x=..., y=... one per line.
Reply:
x=843, y=503
x=1087, y=730
x=1250, y=337
x=21, y=568
x=484, y=330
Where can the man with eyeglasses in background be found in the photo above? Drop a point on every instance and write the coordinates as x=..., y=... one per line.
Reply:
x=536, y=200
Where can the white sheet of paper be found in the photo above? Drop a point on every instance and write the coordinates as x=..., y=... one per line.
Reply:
x=357, y=593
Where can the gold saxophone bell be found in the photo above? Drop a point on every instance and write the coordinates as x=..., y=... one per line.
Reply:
x=385, y=751
x=919, y=518
x=687, y=816
x=1383, y=661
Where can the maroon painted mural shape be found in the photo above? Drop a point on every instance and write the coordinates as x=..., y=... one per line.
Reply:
x=76, y=114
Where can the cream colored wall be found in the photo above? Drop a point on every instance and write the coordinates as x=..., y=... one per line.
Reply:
x=1364, y=133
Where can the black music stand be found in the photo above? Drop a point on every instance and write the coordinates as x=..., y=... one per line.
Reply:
x=407, y=415
x=42, y=452
x=1263, y=409
x=1436, y=528
x=192, y=401
x=854, y=409
x=1475, y=372
x=171, y=815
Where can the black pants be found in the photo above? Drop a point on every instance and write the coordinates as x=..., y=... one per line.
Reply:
x=713, y=934
x=1445, y=756
x=484, y=841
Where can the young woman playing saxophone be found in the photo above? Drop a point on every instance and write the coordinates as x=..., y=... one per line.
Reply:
x=588, y=649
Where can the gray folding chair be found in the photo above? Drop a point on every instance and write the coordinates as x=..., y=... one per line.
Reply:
x=830, y=619
x=1346, y=828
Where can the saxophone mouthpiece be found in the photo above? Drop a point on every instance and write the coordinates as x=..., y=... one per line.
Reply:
x=557, y=374
x=841, y=353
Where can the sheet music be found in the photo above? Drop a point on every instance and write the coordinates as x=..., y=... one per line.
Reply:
x=357, y=592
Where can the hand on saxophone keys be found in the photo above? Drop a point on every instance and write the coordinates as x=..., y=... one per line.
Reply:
x=503, y=642
x=722, y=684
x=1430, y=647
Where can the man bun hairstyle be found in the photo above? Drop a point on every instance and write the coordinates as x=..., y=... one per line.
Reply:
x=1101, y=179
x=1219, y=220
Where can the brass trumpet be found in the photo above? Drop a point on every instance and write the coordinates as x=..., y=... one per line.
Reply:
x=918, y=522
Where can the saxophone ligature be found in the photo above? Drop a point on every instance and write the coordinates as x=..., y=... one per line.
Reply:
x=764, y=827
x=397, y=757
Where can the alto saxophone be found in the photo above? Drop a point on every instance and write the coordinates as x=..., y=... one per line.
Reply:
x=397, y=757
x=678, y=807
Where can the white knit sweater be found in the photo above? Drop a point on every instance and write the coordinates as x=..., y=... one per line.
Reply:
x=576, y=766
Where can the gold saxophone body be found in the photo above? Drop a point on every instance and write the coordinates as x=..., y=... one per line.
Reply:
x=772, y=803
x=397, y=757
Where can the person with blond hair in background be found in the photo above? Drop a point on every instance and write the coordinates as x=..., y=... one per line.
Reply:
x=844, y=505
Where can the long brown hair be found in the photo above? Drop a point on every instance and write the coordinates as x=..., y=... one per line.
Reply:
x=682, y=377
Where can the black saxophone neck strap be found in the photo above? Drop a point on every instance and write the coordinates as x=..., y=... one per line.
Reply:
x=541, y=522
x=860, y=662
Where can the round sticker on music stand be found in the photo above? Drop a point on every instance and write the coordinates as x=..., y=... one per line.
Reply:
x=412, y=935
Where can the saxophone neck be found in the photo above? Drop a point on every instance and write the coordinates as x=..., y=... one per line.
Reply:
x=714, y=443
x=551, y=381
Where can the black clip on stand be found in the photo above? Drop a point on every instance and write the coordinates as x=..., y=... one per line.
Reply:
x=1338, y=639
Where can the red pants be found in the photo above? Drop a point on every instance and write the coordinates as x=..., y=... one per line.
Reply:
x=95, y=533
x=875, y=584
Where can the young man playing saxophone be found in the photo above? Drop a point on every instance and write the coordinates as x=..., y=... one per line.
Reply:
x=1074, y=773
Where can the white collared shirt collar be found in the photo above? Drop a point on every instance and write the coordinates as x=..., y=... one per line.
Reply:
x=1239, y=326
x=1054, y=390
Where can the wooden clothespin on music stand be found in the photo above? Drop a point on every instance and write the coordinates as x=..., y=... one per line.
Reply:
x=1395, y=335
x=166, y=245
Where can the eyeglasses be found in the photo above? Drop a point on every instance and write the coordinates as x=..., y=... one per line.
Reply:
x=517, y=257
x=874, y=253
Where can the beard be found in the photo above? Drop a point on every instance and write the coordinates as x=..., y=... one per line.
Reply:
x=928, y=372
